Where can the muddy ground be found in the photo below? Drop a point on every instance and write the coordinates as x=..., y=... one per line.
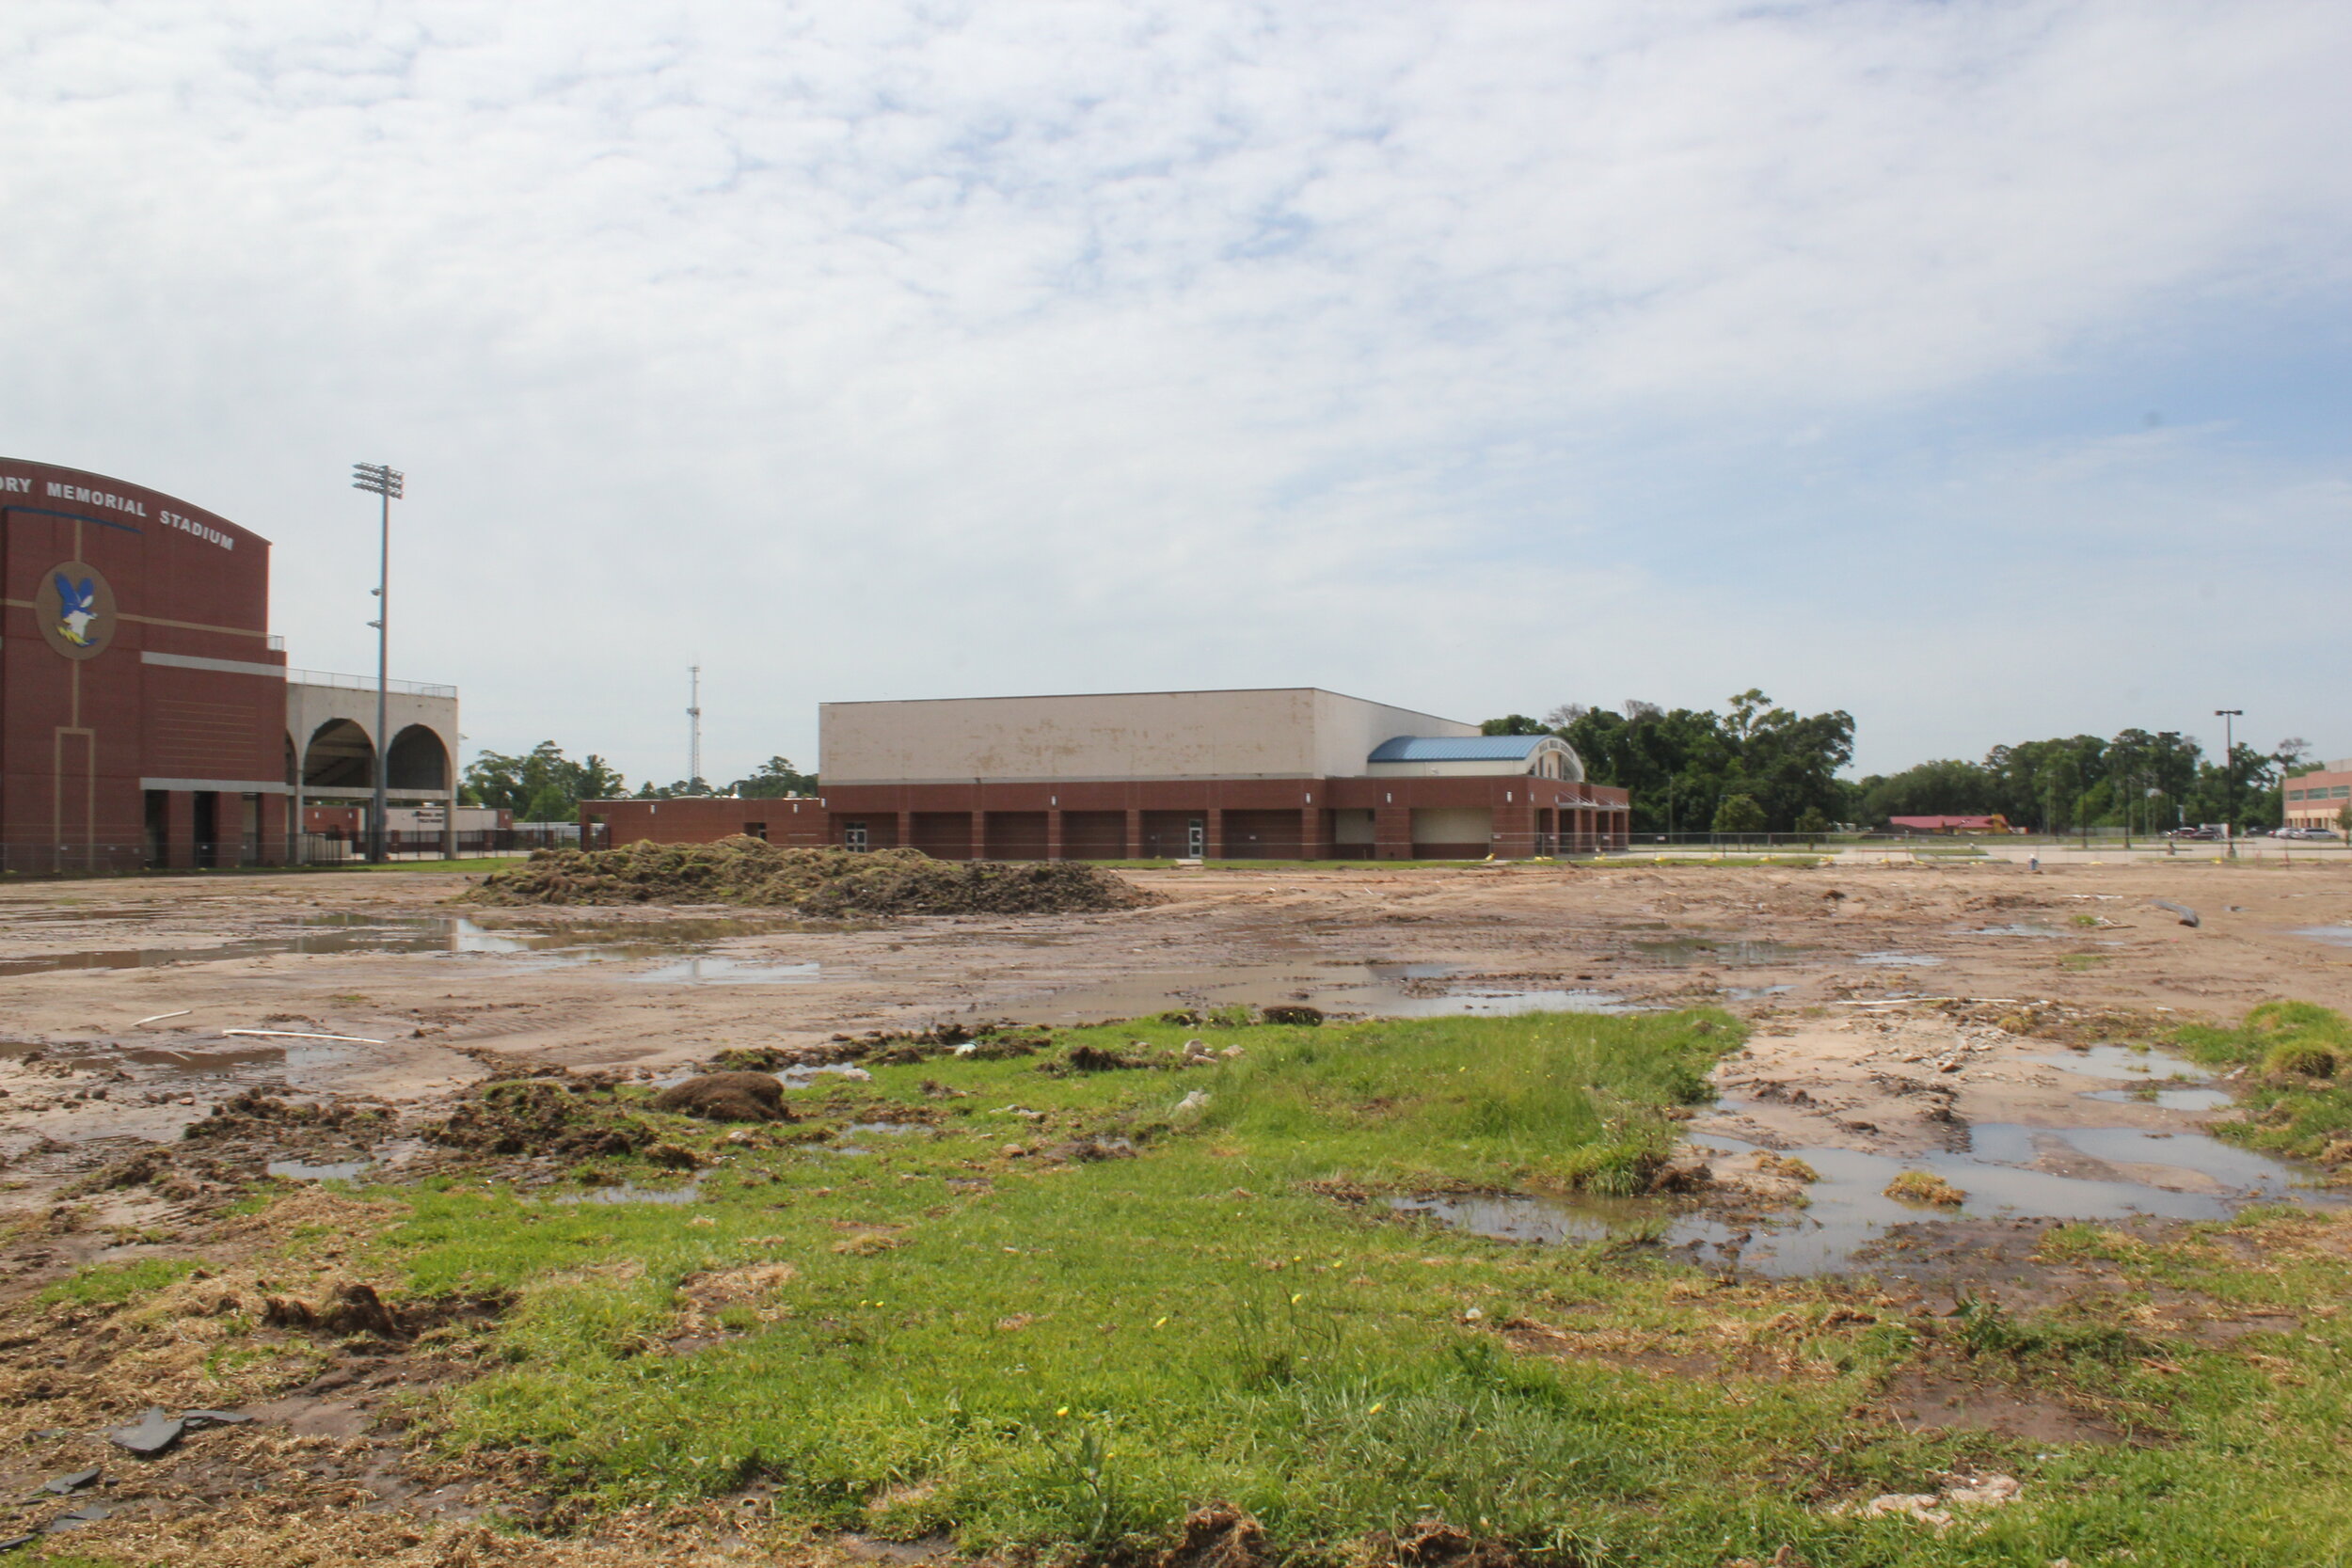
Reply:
x=1907, y=1018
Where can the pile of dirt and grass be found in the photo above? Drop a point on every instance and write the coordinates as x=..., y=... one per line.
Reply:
x=823, y=882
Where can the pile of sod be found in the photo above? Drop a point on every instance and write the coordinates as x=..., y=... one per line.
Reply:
x=821, y=882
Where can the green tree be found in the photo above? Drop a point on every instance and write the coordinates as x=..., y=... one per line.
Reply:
x=1811, y=823
x=1513, y=723
x=1739, y=814
x=543, y=785
x=773, y=780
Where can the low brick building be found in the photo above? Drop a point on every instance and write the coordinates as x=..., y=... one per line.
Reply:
x=1284, y=773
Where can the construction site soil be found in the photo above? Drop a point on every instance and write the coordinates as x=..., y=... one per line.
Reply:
x=173, y=1041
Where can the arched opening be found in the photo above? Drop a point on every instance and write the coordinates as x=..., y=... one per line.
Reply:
x=339, y=756
x=293, y=762
x=417, y=760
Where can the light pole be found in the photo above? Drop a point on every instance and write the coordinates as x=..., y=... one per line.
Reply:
x=2228, y=715
x=384, y=483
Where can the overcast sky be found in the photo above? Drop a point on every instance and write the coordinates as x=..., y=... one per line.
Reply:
x=1979, y=368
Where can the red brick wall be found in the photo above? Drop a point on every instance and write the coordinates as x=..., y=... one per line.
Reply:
x=78, y=734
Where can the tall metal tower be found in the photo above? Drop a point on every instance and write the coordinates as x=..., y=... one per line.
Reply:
x=694, y=717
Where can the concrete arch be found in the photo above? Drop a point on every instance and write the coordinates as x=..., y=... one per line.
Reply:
x=417, y=759
x=339, y=756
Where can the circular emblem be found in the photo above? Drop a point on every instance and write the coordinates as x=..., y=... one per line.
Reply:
x=76, y=610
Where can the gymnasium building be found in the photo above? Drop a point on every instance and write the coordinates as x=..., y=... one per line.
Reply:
x=147, y=713
x=1283, y=773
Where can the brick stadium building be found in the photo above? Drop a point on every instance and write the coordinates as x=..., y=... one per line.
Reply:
x=1286, y=773
x=147, y=715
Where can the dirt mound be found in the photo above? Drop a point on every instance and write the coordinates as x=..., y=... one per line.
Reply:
x=837, y=882
x=533, y=1117
x=252, y=1113
x=1217, y=1537
x=726, y=1096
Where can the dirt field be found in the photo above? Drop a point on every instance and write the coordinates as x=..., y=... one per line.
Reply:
x=386, y=957
x=1959, y=1020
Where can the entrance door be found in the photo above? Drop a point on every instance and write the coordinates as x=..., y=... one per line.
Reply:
x=1196, y=838
x=207, y=828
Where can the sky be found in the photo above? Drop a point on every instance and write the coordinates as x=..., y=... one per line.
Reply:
x=1976, y=367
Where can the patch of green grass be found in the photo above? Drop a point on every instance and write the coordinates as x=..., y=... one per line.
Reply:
x=2296, y=1094
x=112, y=1284
x=1068, y=1356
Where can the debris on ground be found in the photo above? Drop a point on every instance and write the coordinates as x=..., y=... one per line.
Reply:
x=2189, y=916
x=531, y=1115
x=1937, y=1508
x=252, y=1111
x=744, y=870
x=155, y=1432
x=727, y=1097
x=1309, y=1017
x=1092, y=1058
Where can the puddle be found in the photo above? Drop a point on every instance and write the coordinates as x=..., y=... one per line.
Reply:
x=888, y=1129
x=629, y=1192
x=2008, y=1171
x=577, y=942
x=1691, y=952
x=799, y=1077
x=1750, y=994
x=298, y=1170
x=2334, y=936
x=1377, y=991
x=728, y=972
x=207, y=1061
x=2122, y=1061
x=2170, y=1099
x=1510, y=1218
x=1903, y=960
x=2018, y=929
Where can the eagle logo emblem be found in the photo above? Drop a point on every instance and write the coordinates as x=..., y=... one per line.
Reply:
x=77, y=609
x=73, y=605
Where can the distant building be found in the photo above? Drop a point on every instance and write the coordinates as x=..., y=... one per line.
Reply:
x=1994, y=824
x=2316, y=799
x=1280, y=773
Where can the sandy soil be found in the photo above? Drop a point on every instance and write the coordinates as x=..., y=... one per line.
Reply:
x=652, y=989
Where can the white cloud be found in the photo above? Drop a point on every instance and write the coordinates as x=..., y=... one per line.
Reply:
x=1454, y=355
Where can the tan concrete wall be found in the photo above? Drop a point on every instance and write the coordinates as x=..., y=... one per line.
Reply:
x=1294, y=732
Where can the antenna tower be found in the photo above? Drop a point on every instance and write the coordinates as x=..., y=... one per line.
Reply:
x=694, y=714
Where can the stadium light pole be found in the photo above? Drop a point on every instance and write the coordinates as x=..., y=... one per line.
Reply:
x=2228, y=715
x=386, y=485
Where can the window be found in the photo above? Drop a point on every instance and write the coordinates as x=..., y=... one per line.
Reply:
x=2340, y=792
x=853, y=837
x=2294, y=795
x=755, y=829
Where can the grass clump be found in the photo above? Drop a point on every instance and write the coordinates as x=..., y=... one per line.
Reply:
x=1925, y=1186
x=821, y=882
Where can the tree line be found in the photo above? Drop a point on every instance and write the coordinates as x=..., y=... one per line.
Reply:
x=1756, y=768
x=545, y=785
x=1759, y=767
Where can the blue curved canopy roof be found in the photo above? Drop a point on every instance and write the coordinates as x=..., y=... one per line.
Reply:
x=1458, y=747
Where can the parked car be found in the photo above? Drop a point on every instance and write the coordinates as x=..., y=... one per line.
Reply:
x=2328, y=834
x=2194, y=832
